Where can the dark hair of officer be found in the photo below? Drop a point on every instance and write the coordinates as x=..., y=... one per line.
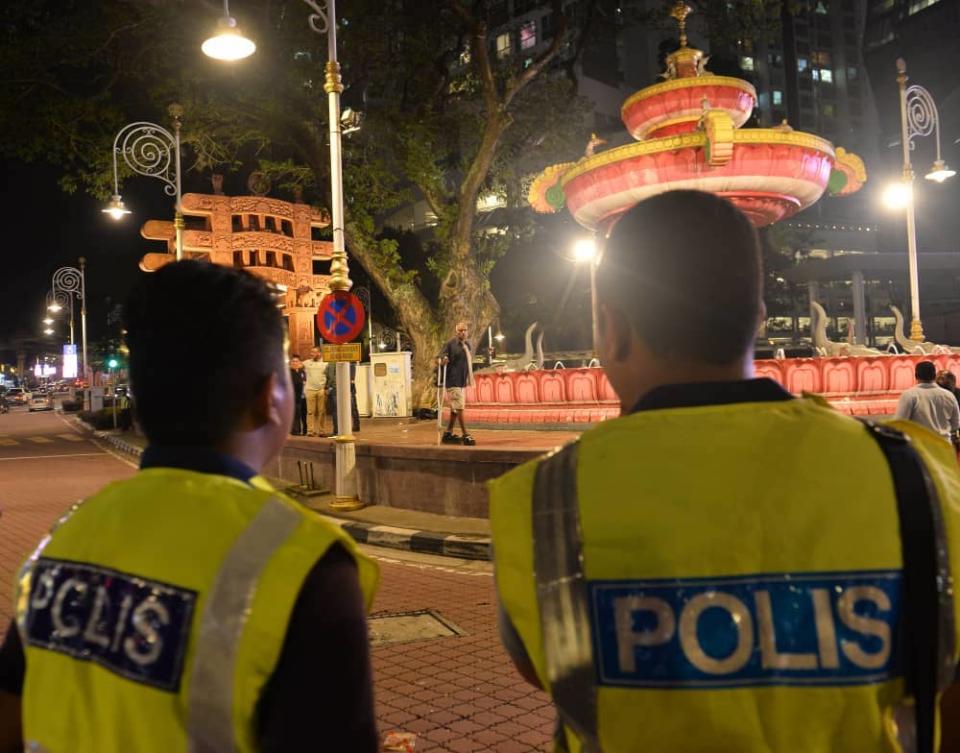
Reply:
x=203, y=339
x=684, y=268
x=925, y=371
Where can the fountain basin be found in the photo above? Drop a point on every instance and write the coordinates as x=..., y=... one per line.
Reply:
x=771, y=175
x=675, y=106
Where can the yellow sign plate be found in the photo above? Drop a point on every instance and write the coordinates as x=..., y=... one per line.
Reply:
x=338, y=353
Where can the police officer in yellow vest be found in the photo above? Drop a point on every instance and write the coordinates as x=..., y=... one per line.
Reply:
x=193, y=607
x=725, y=567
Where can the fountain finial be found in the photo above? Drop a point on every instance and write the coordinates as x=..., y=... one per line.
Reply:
x=679, y=12
x=686, y=62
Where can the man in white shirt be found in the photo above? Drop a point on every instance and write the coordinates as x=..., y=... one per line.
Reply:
x=315, y=393
x=930, y=405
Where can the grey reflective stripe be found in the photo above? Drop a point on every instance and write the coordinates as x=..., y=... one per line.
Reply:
x=946, y=633
x=562, y=594
x=210, y=727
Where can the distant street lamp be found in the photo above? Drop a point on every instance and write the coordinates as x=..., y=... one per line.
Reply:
x=72, y=281
x=151, y=150
x=48, y=331
x=918, y=117
x=585, y=251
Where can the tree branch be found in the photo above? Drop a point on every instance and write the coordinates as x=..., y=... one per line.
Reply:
x=515, y=85
x=480, y=55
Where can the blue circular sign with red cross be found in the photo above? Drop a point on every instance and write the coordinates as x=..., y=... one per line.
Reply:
x=340, y=317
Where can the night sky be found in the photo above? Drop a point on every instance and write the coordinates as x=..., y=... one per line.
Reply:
x=47, y=229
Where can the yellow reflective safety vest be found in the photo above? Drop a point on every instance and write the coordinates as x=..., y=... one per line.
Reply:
x=722, y=578
x=155, y=612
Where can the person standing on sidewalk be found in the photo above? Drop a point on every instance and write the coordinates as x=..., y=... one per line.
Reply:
x=457, y=358
x=193, y=607
x=928, y=404
x=702, y=573
x=315, y=393
x=299, y=404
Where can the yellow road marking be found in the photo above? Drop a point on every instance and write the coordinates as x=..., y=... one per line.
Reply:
x=70, y=437
x=8, y=442
x=40, y=440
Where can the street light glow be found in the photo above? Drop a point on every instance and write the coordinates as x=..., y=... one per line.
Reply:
x=48, y=321
x=898, y=195
x=499, y=337
x=584, y=250
x=48, y=331
x=228, y=44
x=116, y=208
x=54, y=307
x=940, y=172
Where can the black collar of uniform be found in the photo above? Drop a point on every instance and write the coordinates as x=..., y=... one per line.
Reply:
x=693, y=394
x=199, y=459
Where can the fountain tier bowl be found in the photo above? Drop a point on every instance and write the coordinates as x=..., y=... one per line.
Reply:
x=676, y=105
x=772, y=174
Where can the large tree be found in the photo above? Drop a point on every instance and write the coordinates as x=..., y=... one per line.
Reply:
x=448, y=120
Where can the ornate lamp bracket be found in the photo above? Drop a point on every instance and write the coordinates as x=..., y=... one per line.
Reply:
x=319, y=20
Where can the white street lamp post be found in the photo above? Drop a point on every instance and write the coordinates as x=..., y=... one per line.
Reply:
x=151, y=150
x=918, y=117
x=73, y=281
x=324, y=21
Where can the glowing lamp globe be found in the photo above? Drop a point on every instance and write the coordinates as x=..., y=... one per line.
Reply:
x=897, y=195
x=116, y=208
x=228, y=44
x=940, y=172
x=584, y=250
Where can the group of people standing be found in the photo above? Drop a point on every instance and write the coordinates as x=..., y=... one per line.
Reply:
x=315, y=395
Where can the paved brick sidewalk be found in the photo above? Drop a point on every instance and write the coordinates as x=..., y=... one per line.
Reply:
x=458, y=694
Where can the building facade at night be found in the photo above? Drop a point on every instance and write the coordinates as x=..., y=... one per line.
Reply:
x=275, y=240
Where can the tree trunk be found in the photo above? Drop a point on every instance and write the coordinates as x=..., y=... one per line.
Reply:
x=417, y=317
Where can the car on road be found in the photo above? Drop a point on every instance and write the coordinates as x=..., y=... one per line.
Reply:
x=40, y=402
x=17, y=396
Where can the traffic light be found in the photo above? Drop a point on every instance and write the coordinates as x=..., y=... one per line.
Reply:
x=113, y=363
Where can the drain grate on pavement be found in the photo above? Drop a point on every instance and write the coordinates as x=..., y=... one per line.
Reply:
x=407, y=627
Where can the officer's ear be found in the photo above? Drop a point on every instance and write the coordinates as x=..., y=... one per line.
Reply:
x=614, y=334
x=272, y=400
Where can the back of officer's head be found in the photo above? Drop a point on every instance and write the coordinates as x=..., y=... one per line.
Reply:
x=683, y=269
x=925, y=371
x=204, y=340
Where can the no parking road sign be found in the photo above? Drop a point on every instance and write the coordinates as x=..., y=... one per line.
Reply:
x=340, y=317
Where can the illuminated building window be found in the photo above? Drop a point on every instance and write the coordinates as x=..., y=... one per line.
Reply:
x=815, y=74
x=746, y=63
x=852, y=73
x=826, y=75
x=820, y=57
x=503, y=45
x=528, y=35
x=802, y=64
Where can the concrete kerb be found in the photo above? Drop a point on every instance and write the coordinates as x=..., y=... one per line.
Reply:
x=406, y=539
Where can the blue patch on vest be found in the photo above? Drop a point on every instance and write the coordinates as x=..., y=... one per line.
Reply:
x=777, y=629
x=134, y=627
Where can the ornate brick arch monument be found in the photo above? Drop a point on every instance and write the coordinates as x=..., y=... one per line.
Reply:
x=271, y=238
